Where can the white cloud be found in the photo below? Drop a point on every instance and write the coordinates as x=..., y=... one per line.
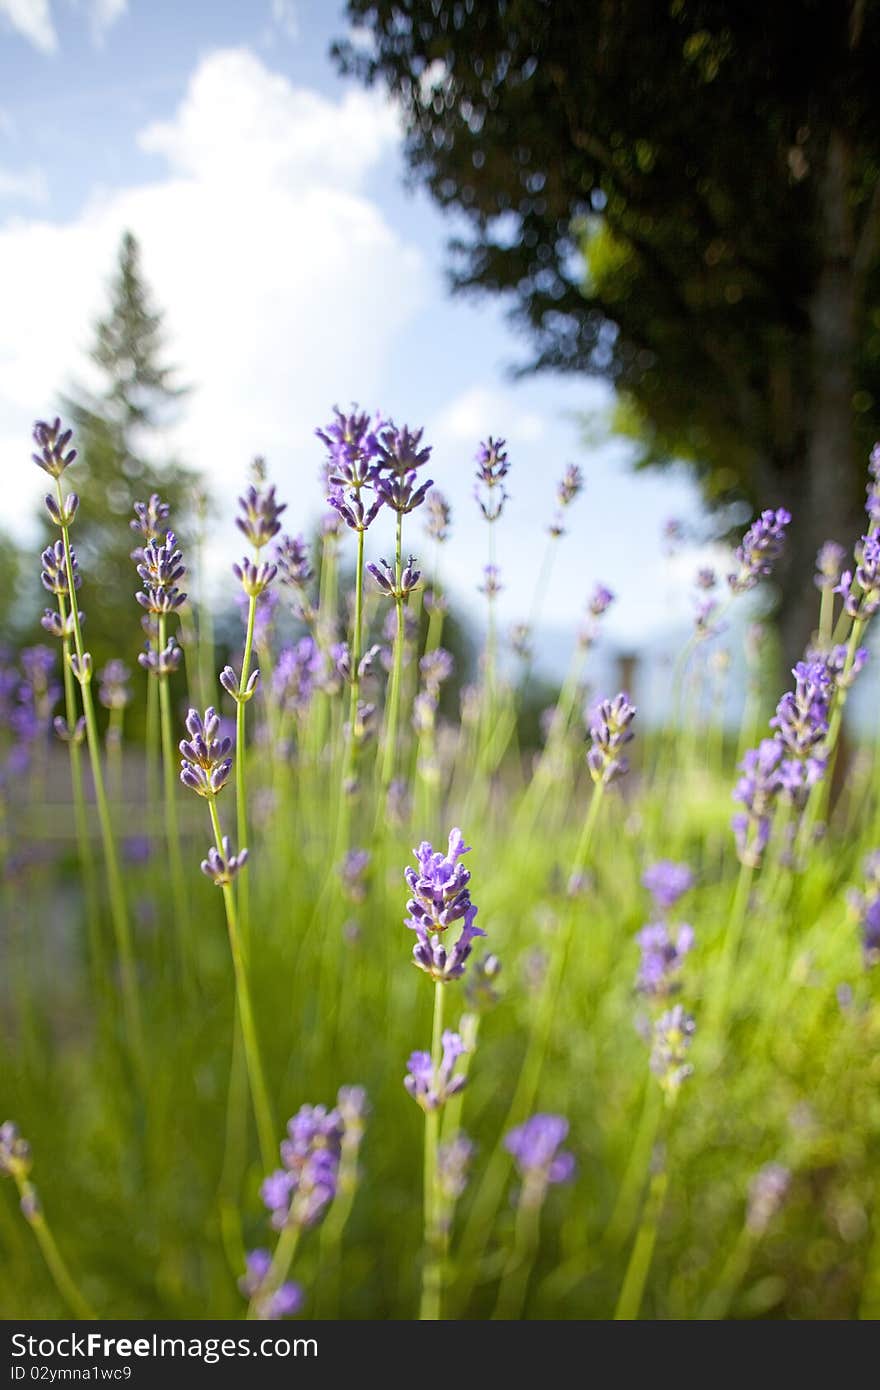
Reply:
x=283, y=284
x=28, y=184
x=33, y=20
x=483, y=410
x=103, y=14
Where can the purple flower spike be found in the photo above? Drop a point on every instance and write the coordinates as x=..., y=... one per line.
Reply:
x=401, y=451
x=609, y=733
x=222, y=867
x=673, y=1034
x=767, y=1193
x=260, y=513
x=205, y=763
x=662, y=958
x=667, y=882
x=759, y=550
x=299, y=1193
x=285, y=1302
x=52, y=441
x=438, y=516
x=430, y=1088
x=536, y=1147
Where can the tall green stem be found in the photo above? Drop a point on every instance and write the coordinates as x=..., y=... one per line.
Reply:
x=430, y=1309
x=256, y=1078
x=180, y=894
x=389, y=755
x=80, y=816
x=240, y=788
x=118, y=905
x=61, y=1276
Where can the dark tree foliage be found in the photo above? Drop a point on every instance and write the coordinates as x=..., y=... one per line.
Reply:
x=679, y=195
x=118, y=438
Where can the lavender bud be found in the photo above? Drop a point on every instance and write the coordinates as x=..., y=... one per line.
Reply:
x=492, y=469
x=536, y=1147
x=15, y=1152
x=438, y=516
x=52, y=442
x=672, y=1037
x=64, y=514
x=82, y=669
x=829, y=563
x=431, y=1087
x=400, y=450
x=609, y=733
x=491, y=585
x=260, y=513
x=254, y=578
x=760, y=548
x=230, y=683
x=68, y=735
x=205, y=764
x=222, y=866
x=294, y=565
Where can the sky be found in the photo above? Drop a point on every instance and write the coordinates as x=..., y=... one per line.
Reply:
x=296, y=271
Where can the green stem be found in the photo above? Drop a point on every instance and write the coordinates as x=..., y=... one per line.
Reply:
x=630, y=1301
x=240, y=788
x=180, y=895
x=118, y=906
x=517, y=1271
x=256, y=1078
x=488, y=1194
x=61, y=1275
x=285, y=1251
x=80, y=816
x=430, y=1309
x=389, y=754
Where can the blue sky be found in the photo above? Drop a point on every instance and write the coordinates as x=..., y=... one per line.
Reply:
x=295, y=271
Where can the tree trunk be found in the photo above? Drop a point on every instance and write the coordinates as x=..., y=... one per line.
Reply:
x=824, y=505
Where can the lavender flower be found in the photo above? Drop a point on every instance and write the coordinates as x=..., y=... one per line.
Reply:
x=401, y=451
x=661, y=958
x=353, y=873
x=205, y=764
x=285, y=1302
x=260, y=513
x=570, y=485
x=492, y=468
x=15, y=1152
x=230, y=683
x=438, y=516
x=454, y=1161
x=760, y=548
x=767, y=1193
x=295, y=674
x=113, y=689
x=150, y=523
x=299, y=1193
x=601, y=600
x=861, y=595
x=54, y=572
x=667, y=882
x=673, y=1034
x=430, y=1088
x=440, y=897
x=385, y=577
x=221, y=866
x=757, y=789
x=481, y=989
x=536, y=1147
x=52, y=441
x=160, y=569
x=491, y=585
x=62, y=513
x=294, y=563
x=829, y=563
x=520, y=641
x=866, y=906
x=353, y=447
x=436, y=667
x=350, y=507
x=160, y=663
x=400, y=493
x=254, y=578
x=609, y=733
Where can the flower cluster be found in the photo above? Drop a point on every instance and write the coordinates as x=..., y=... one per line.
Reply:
x=599, y=602
x=610, y=732
x=205, y=763
x=536, y=1147
x=829, y=564
x=221, y=866
x=569, y=487
x=767, y=1193
x=298, y=1193
x=260, y=513
x=52, y=442
x=438, y=516
x=441, y=897
x=430, y=1086
x=297, y=671
x=672, y=1038
x=759, y=550
x=492, y=468
x=866, y=907
x=283, y=1302
x=161, y=569
x=861, y=591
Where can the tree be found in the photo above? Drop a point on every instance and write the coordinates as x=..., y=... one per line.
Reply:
x=116, y=433
x=683, y=197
